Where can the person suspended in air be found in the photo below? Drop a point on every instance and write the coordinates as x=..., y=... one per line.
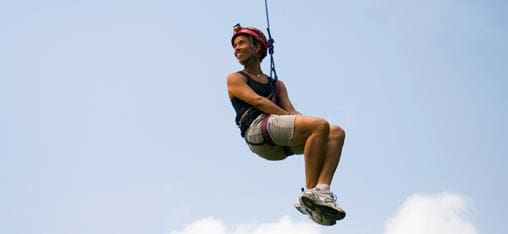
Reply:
x=274, y=129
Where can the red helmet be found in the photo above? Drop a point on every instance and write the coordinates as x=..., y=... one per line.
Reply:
x=255, y=33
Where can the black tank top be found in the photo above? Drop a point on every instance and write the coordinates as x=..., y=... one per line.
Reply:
x=245, y=113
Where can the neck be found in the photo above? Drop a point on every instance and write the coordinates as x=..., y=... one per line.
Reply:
x=253, y=68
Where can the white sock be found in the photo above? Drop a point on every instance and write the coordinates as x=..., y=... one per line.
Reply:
x=324, y=187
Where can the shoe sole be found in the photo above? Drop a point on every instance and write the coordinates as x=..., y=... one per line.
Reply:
x=327, y=211
x=309, y=214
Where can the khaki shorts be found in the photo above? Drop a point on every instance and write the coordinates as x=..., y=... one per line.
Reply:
x=280, y=128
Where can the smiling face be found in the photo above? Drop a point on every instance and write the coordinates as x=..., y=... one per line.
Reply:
x=244, y=49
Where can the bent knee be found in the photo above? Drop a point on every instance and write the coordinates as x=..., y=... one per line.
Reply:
x=306, y=126
x=313, y=123
x=337, y=133
x=321, y=125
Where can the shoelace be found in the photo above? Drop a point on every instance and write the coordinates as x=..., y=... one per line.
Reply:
x=332, y=195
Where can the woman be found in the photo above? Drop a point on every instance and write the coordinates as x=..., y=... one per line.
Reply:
x=274, y=129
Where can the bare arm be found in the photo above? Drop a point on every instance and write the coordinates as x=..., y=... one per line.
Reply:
x=237, y=87
x=284, y=100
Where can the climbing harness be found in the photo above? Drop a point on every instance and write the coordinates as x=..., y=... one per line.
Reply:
x=275, y=86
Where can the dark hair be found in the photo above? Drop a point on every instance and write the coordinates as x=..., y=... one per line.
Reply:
x=254, y=43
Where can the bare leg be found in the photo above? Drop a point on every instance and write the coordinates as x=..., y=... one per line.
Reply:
x=333, y=153
x=322, y=150
x=313, y=133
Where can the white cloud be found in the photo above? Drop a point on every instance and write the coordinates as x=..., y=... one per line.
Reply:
x=207, y=225
x=435, y=214
x=284, y=225
x=442, y=213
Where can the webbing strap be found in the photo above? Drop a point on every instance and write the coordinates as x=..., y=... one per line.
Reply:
x=264, y=130
x=268, y=138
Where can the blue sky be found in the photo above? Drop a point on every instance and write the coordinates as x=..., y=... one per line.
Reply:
x=114, y=116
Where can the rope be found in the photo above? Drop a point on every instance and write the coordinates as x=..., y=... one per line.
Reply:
x=273, y=73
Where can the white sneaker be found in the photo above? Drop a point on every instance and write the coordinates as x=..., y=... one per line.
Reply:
x=313, y=215
x=322, y=202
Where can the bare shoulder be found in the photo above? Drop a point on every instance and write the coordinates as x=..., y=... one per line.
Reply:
x=281, y=84
x=235, y=84
x=235, y=78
